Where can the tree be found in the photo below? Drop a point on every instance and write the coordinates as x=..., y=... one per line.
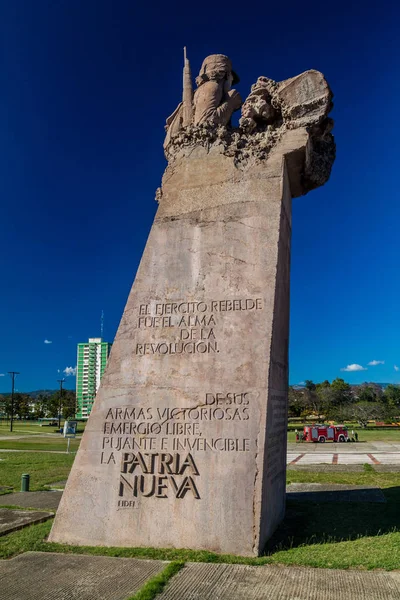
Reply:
x=297, y=402
x=324, y=384
x=392, y=397
x=24, y=406
x=362, y=412
x=340, y=392
x=368, y=392
x=21, y=407
x=53, y=405
x=68, y=404
x=2, y=406
x=41, y=406
x=310, y=385
x=324, y=392
x=315, y=400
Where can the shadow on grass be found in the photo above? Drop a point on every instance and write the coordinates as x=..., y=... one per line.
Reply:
x=315, y=522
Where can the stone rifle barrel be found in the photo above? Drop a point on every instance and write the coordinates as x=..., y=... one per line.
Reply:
x=187, y=96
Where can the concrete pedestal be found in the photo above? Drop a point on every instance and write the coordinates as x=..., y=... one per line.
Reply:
x=186, y=443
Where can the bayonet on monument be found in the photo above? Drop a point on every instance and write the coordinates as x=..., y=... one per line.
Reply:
x=187, y=96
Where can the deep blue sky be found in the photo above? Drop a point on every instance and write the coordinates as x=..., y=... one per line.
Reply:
x=85, y=90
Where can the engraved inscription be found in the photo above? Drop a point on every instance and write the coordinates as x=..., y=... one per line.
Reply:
x=155, y=445
x=195, y=322
x=158, y=447
x=276, y=446
x=160, y=475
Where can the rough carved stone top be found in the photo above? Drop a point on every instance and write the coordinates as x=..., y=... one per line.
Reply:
x=271, y=109
x=212, y=103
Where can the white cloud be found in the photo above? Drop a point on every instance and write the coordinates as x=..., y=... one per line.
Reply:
x=48, y=342
x=374, y=363
x=354, y=367
x=2, y=374
x=70, y=371
x=396, y=368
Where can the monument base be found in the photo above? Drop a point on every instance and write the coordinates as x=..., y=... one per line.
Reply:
x=186, y=443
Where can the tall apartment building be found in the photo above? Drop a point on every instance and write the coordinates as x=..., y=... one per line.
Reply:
x=92, y=360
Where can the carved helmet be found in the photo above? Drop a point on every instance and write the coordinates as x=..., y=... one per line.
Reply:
x=216, y=63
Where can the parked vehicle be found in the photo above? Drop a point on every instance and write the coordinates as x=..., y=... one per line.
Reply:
x=325, y=433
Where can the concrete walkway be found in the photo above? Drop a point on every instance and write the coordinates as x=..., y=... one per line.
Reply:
x=343, y=458
x=49, y=576
x=43, y=500
x=372, y=453
x=202, y=581
x=12, y=520
x=352, y=447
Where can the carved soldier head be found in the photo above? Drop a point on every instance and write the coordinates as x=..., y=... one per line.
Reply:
x=257, y=108
x=217, y=67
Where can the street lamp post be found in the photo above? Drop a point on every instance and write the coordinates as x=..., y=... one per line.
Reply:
x=13, y=374
x=60, y=381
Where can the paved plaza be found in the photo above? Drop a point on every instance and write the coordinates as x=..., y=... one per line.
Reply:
x=202, y=581
x=372, y=453
x=43, y=500
x=13, y=520
x=49, y=576
x=339, y=458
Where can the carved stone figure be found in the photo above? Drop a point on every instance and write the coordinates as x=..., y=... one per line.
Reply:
x=257, y=108
x=213, y=102
x=270, y=111
x=301, y=101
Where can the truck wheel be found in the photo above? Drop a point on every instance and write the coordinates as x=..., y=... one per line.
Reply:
x=321, y=439
x=341, y=438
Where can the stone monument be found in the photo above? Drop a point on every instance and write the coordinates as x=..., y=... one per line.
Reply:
x=186, y=443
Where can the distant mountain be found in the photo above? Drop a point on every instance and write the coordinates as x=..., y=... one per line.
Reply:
x=299, y=386
x=37, y=393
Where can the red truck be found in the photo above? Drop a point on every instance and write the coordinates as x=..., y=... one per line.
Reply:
x=325, y=433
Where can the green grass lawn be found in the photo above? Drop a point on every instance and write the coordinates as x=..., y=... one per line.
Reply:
x=39, y=443
x=331, y=535
x=43, y=468
x=342, y=534
x=31, y=427
x=24, y=428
